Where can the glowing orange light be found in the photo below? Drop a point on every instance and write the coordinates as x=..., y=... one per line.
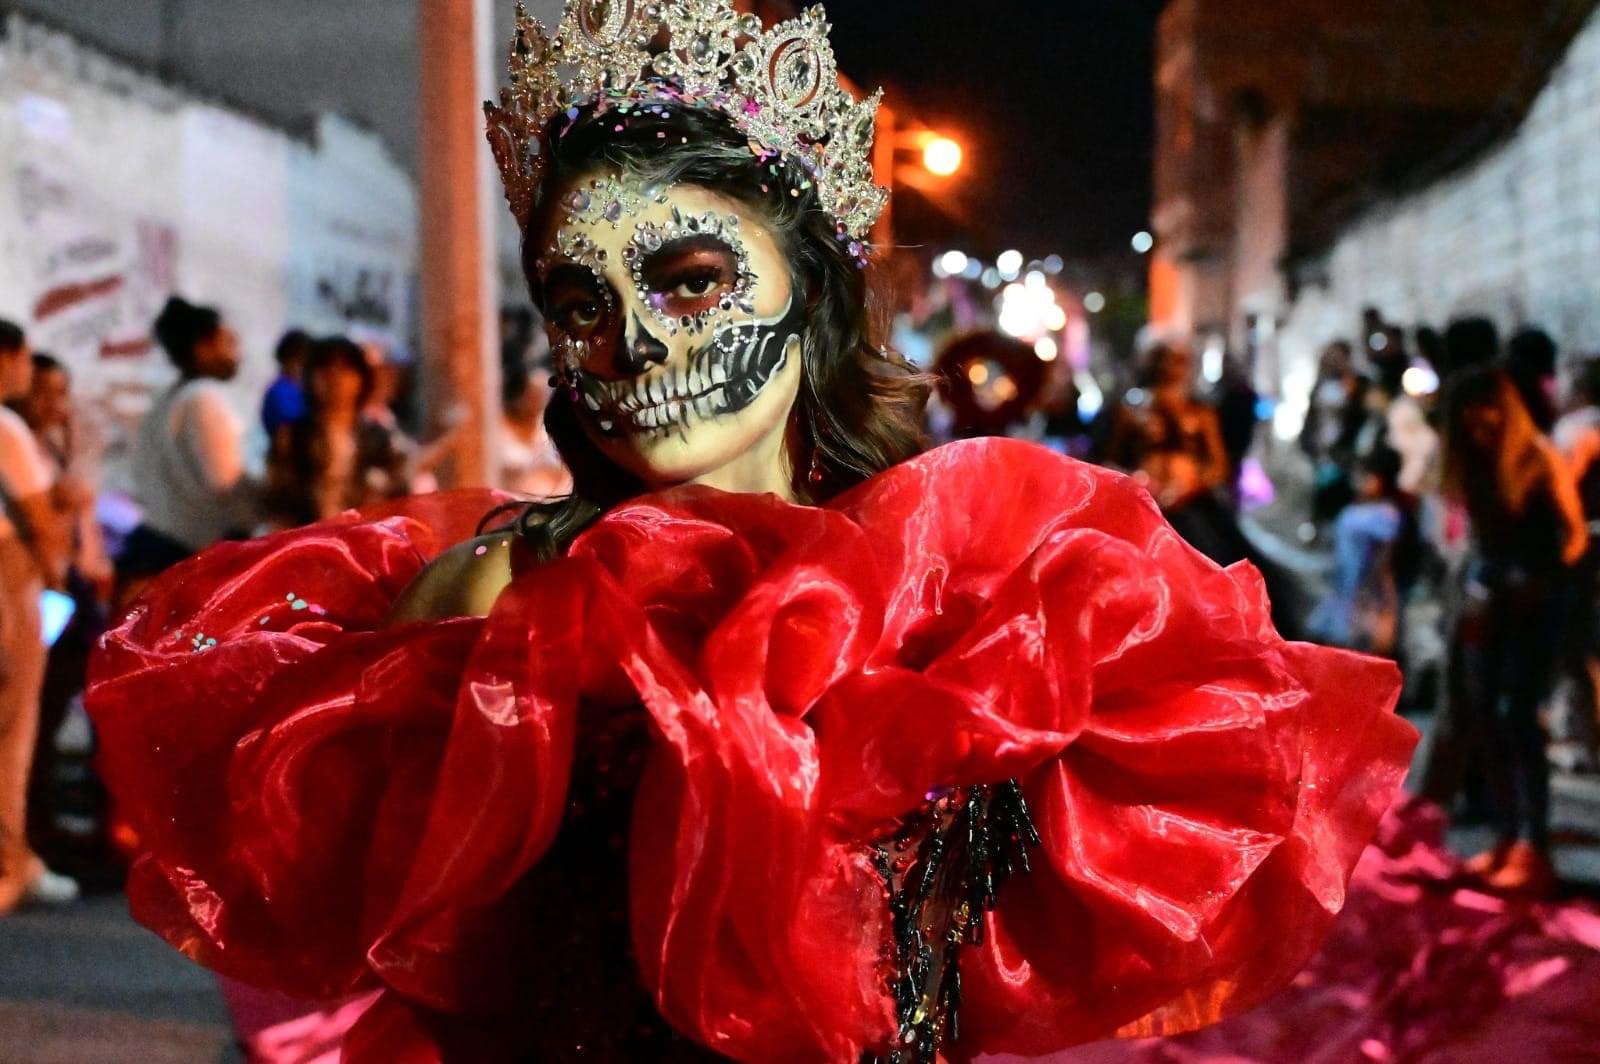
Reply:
x=941, y=156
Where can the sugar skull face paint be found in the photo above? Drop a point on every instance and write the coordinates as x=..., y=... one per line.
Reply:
x=675, y=323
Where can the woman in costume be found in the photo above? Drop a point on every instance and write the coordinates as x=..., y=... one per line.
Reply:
x=776, y=741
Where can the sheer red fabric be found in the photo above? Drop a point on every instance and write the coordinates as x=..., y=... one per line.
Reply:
x=329, y=806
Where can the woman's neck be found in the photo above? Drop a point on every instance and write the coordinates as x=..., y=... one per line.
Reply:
x=766, y=468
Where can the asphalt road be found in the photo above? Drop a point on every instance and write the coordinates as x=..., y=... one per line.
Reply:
x=85, y=985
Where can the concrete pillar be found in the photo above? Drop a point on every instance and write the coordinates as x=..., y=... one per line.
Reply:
x=460, y=193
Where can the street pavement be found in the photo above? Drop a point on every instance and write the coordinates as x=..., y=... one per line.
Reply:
x=84, y=984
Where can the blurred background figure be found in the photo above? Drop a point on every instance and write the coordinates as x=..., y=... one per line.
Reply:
x=1334, y=423
x=338, y=456
x=189, y=463
x=34, y=556
x=1577, y=436
x=1469, y=343
x=529, y=462
x=72, y=449
x=1531, y=364
x=1237, y=403
x=1527, y=534
x=989, y=384
x=1171, y=441
x=1362, y=609
x=285, y=401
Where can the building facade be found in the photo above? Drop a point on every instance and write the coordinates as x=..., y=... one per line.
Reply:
x=1426, y=160
x=121, y=190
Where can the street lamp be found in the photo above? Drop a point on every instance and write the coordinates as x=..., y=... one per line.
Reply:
x=941, y=156
x=909, y=154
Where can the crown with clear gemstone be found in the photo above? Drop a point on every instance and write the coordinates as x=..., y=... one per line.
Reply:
x=779, y=86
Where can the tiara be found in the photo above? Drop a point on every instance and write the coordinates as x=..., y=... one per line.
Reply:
x=779, y=87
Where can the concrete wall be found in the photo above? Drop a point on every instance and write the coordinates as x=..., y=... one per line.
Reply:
x=1516, y=237
x=117, y=191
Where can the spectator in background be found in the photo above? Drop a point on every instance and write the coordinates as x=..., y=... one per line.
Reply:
x=1407, y=431
x=1577, y=436
x=189, y=466
x=529, y=462
x=285, y=401
x=1469, y=344
x=33, y=556
x=1362, y=610
x=1334, y=424
x=73, y=455
x=336, y=457
x=73, y=450
x=1237, y=400
x=1531, y=362
x=1430, y=347
x=1170, y=440
x=1527, y=533
x=1390, y=359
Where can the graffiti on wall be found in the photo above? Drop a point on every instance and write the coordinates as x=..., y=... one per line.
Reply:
x=99, y=279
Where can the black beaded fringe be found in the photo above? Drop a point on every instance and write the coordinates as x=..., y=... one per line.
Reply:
x=943, y=870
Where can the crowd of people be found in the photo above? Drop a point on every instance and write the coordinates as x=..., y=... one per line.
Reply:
x=1456, y=480
x=1455, y=487
x=1455, y=494
x=328, y=441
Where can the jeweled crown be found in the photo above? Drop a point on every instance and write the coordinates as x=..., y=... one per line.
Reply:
x=779, y=86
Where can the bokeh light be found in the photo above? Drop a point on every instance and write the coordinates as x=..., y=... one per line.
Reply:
x=941, y=156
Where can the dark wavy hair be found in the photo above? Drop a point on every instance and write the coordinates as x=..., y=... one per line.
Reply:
x=859, y=409
x=181, y=327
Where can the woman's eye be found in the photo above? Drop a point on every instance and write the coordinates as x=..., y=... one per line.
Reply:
x=580, y=319
x=695, y=287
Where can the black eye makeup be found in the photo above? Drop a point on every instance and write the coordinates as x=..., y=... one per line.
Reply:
x=577, y=302
x=689, y=276
x=690, y=269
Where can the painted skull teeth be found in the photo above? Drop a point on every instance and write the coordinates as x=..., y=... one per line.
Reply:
x=721, y=378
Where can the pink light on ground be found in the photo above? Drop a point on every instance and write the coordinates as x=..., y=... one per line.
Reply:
x=1255, y=487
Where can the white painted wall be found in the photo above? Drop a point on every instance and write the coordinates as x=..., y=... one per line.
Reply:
x=1515, y=237
x=116, y=191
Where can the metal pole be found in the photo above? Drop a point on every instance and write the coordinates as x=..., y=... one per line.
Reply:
x=459, y=198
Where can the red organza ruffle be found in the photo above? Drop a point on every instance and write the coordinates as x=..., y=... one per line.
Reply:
x=330, y=807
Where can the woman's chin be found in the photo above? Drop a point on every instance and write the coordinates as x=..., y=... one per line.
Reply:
x=667, y=458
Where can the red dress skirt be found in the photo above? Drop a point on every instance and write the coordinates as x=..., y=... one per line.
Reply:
x=643, y=809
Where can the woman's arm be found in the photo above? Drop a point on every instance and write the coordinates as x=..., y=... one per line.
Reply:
x=213, y=435
x=1214, y=467
x=1569, y=507
x=464, y=581
x=47, y=535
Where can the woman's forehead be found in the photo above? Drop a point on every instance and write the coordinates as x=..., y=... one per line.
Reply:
x=615, y=201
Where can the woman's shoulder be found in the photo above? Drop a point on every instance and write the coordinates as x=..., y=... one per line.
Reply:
x=464, y=581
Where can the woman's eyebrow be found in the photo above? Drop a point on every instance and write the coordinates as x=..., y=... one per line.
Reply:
x=571, y=274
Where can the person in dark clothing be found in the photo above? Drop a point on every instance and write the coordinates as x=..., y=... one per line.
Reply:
x=1531, y=362
x=1236, y=411
x=1469, y=344
x=1528, y=532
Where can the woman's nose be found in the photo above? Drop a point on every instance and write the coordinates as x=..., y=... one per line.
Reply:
x=640, y=349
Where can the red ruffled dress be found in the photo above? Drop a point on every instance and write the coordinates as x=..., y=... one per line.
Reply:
x=745, y=776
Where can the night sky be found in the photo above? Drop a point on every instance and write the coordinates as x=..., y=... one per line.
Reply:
x=1051, y=97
